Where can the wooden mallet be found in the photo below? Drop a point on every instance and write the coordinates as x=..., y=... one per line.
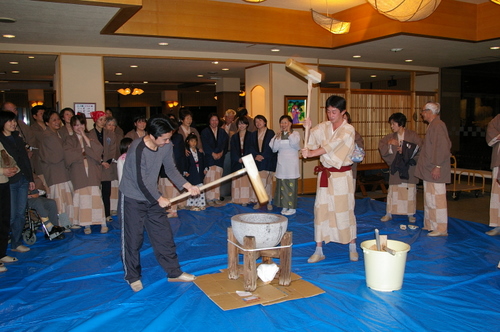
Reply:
x=312, y=76
x=253, y=174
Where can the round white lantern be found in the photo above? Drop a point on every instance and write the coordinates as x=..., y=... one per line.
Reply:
x=405, y=10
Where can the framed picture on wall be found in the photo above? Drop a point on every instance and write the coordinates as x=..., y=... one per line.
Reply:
x=295, y=107
x=85, y=108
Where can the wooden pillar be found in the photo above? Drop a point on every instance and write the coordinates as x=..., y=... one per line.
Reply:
x=228, y=94
x=79, y=78
x=227, y=100
x=413, y=100
x=348, y=88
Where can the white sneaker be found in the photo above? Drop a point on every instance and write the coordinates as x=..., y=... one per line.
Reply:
x=2, y=268
x=284, y=211
x=290, y=212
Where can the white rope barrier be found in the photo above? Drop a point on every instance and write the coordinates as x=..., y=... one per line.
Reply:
x=259, y=249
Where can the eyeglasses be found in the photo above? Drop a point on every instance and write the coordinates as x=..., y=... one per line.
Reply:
x=425, y=110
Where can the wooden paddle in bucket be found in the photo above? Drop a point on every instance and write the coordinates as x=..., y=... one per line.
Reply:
x=253, y=174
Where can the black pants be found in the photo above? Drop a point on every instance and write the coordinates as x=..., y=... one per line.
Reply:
x=106, y=196
x=135, y=216
x=4, y=218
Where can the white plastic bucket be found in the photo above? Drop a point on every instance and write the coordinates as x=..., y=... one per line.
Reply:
x=385, y=272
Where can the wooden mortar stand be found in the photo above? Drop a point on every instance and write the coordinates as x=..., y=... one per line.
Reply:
x=250, y=260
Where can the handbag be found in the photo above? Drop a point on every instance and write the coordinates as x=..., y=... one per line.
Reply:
x=358, y=154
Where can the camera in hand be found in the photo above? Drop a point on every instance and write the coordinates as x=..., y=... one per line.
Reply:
x=30, y=148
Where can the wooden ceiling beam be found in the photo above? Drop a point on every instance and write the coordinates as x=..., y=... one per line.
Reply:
x=219, y=21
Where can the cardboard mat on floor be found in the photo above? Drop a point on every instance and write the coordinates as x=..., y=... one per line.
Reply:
x=223, y=291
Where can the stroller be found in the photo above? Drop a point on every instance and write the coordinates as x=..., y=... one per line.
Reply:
x=33, y=221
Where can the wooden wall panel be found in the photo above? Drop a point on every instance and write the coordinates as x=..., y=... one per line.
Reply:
x=421, y=99
x=370, y=111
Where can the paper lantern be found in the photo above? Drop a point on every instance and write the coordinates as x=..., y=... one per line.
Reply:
x=334, y=26
x=405, y=10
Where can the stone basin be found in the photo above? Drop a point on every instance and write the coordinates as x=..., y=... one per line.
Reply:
x=267, y=228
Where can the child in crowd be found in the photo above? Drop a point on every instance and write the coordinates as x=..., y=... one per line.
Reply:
x=124, y=144
x=195, y=171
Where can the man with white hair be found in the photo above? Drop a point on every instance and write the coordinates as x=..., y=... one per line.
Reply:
x=434, y=168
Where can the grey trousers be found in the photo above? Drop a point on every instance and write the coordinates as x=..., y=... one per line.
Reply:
x=45, y=207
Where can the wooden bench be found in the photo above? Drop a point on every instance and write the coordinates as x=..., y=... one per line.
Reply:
x=375, y=181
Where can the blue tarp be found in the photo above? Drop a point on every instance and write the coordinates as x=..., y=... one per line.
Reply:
x=76, y=284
